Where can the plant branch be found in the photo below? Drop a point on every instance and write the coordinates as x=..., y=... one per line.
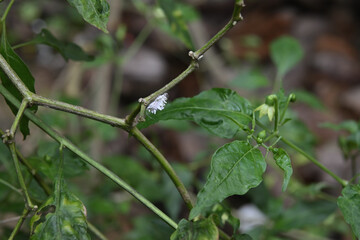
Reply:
x=196, y=56
x=165, y=165
x=52, y=133
x=113, y=121
x=15, y=79
x=314, y=161
x=25, y=193
x=3, y=18
x=32, y=170
x=9, y=185
x=19, y=223
x=18, y=116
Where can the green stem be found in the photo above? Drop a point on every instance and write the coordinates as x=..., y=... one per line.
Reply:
x=52, y=133
x=15, y=79
x=171, y=84
x=31, y=170
x=165, y=165
x=96, y=232
x=223, y=235
x=9, y=185
x=20, y=176
x=239, y=4
x=19, y=223
x=18, y=116
x=113, y=121
x=23, y=44
x=276, y=124
x=3, y=18
x=316, y=162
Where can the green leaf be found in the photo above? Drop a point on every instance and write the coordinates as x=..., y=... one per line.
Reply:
x=349, y=204
x=309, y=98
x=220, y=111
x=67, y=49
x=204, y=229
x=95, y=12
x=282, y=159
x=47, y=161
x=24, y=74
x=250, y=79
x=65, y=218
x=286, y=52
x=175, y=16
x=235, y=168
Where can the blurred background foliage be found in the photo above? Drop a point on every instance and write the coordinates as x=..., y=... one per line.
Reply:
x=316, y=43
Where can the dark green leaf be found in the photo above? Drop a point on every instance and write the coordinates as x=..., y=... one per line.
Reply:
x=235, y=168
x=204, y=229
x=95, y=12
x=250, y=79
x=309, y=98
x=24, y=74
x=286, y=52
x=175, y=17
x=282, y=159
x=220, y=111
x=47, y=161
x=65, y=218
x=67, y=49
x=349, y=204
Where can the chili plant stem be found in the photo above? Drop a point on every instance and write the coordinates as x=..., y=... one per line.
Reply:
x=52, y=133
x=314, y=161
x=9, y=185
x=31, y=170
x=19, y=223
x=18, y=116
x=15, y=79
x=165, y=165
x=196, y=56
x=25, y=193
x=7, y=10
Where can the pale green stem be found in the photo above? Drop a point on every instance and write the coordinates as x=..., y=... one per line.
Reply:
x=276, y=123
x=196, y=56
x=314, y=161
x=31, y=170
x=113, y=121
x=15, y=79
x=165, y=165
x=52, y=133
x=9, y=185
x=302, y=152
x=96, y=231
x=25, y=193
x=19, y=223
x=3, y=18
x=18, y=116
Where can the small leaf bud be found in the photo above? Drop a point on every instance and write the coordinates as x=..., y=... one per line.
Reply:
x=292, y=97
x=262, y=134
x=270, y=100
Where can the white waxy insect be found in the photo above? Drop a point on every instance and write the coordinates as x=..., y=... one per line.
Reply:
x=158, y=104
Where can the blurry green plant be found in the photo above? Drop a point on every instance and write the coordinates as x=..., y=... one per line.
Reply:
x=237, y=168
